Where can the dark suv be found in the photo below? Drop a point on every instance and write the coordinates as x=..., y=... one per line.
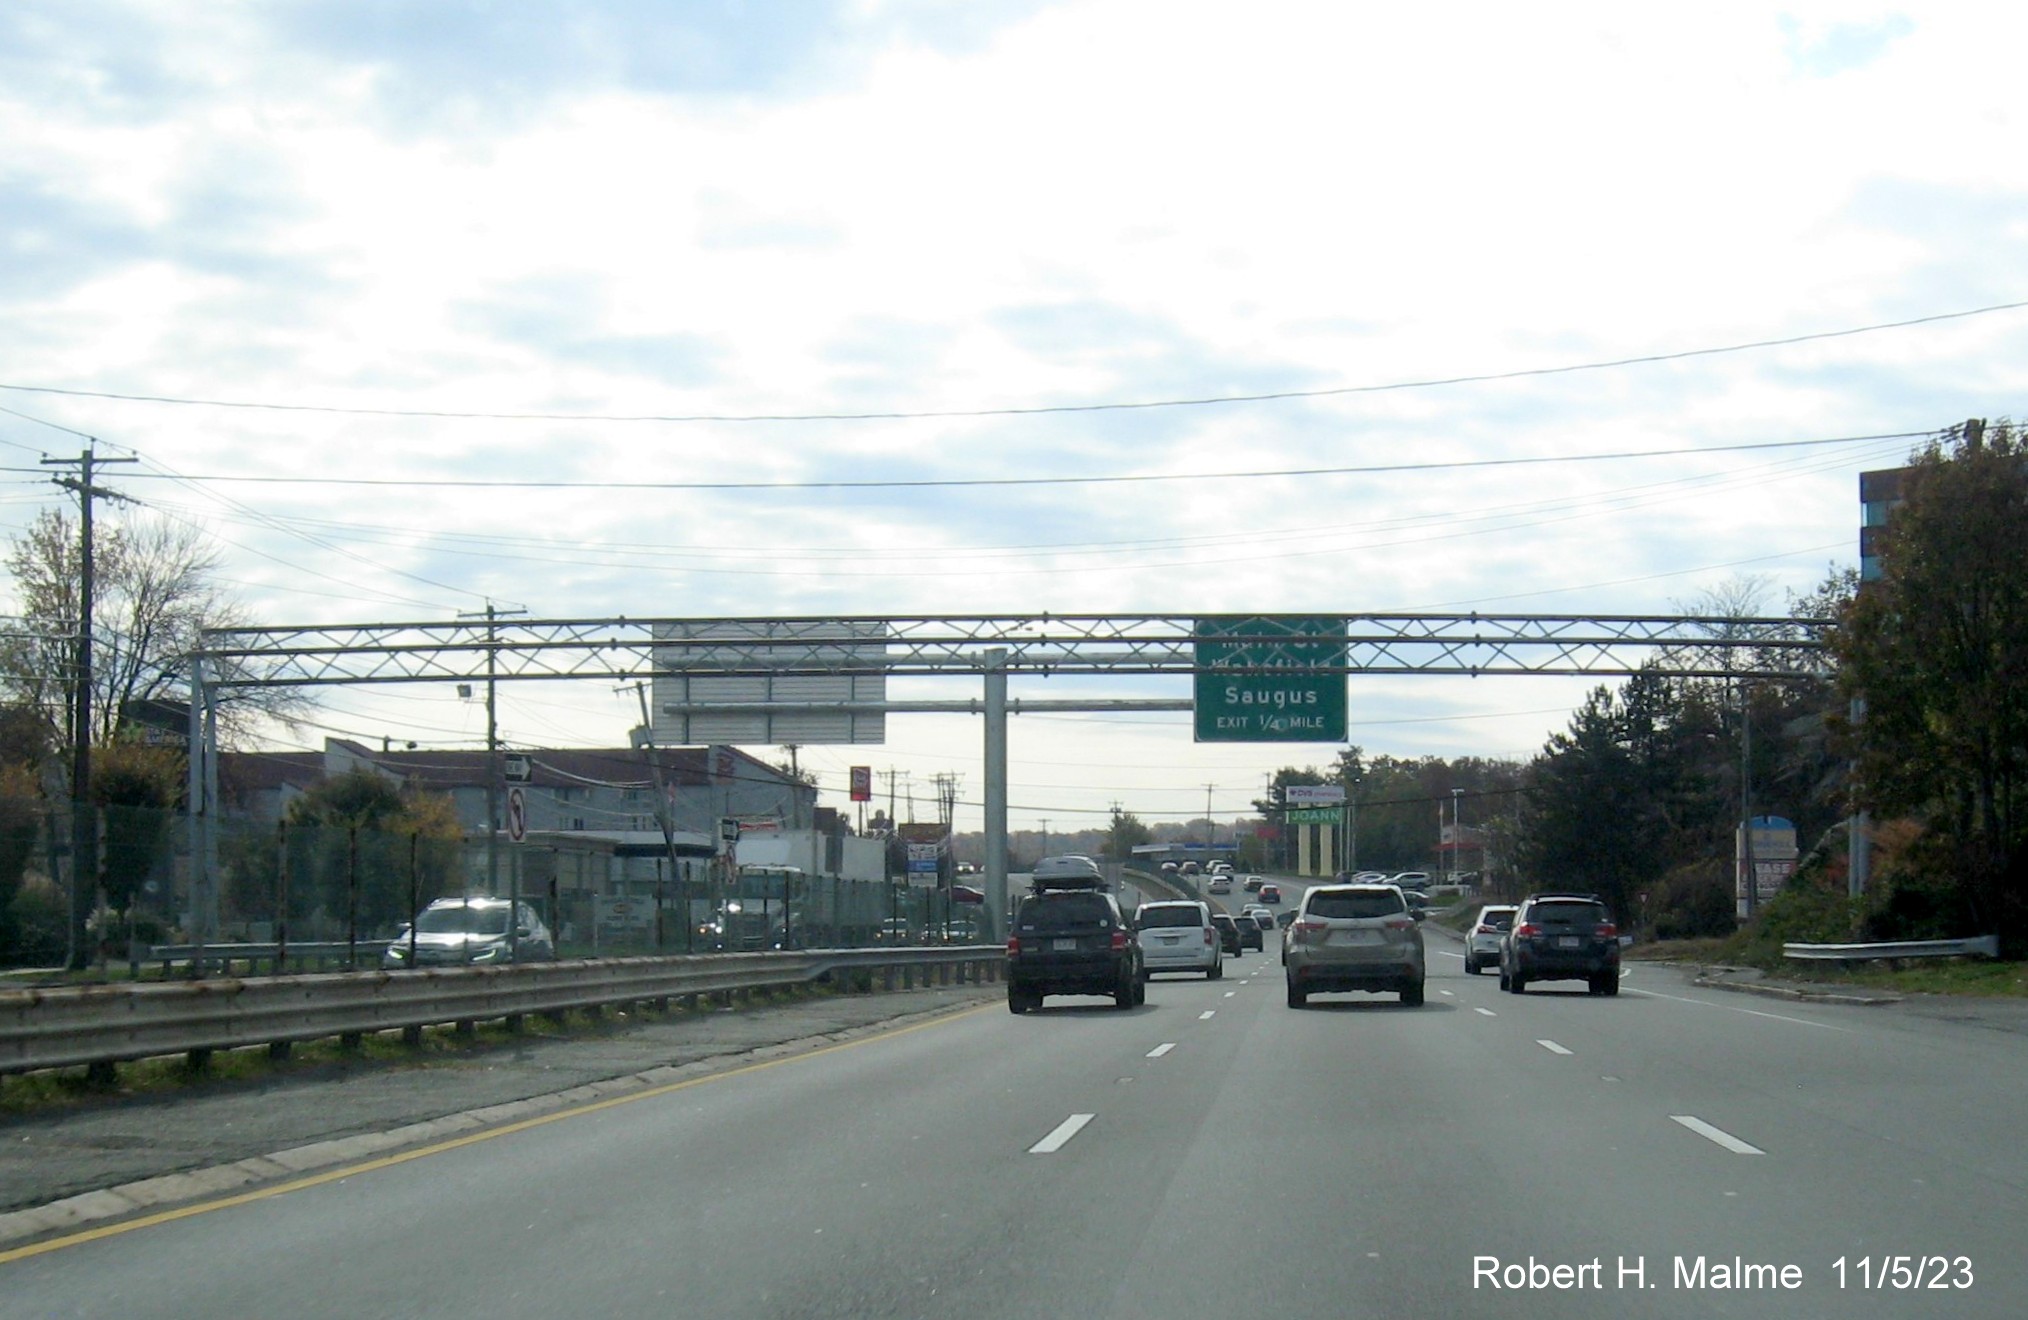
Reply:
x=1562, y=937
x=1072, y=941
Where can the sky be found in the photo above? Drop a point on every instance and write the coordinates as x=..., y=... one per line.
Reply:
x=313, y=263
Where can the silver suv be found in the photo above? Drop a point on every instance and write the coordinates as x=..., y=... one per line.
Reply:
x=457, y=932
x=1353, y=937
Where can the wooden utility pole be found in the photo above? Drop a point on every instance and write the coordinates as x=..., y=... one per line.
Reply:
x=84, y=835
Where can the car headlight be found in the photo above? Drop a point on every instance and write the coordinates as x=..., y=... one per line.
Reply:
x=491, y=953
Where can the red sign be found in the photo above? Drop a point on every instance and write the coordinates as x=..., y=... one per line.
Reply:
x=862, y=783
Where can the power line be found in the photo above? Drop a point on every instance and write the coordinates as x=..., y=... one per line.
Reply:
x=1024, y=411
x=950, y=483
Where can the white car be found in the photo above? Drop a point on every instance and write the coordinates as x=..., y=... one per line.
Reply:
x=1482, y=944
x=1178, y=936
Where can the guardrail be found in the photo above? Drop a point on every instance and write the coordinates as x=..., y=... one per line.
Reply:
x=99, y=1026
x=1986, y=946
x=312, y=955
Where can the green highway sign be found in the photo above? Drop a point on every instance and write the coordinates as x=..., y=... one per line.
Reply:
x=1262, y=685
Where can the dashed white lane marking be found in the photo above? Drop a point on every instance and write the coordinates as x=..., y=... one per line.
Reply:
x=1552, y=1047
x=1719, y=1135
x=1161, y=1050
x=1207, y=1013
x=1230, y=993
x=1058, y=1139
x=1452, y=993
x=1486, y=1012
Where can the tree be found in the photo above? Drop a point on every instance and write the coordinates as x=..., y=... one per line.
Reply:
x=136, y=788
x=359, y=842
x=153, y=595
x=1937, y=649
x=1126, y=832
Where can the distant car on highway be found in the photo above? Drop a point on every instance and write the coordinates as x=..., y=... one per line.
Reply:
x=1221, y=883
x=1253, y=884
x=456, y=932
x=1178, y=936
x=1412, y=880
x=1229, y=937
x=1482, y=944
x=1270, y=893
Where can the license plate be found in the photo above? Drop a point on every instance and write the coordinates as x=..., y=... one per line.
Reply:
x=1169, y=939
x=1064, y=946
x=1358, y=937
x=1568, y=941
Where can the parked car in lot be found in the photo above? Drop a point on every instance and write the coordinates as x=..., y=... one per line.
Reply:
x=1562, y=937
x=1070, y=938
x=1412, y=880
x=1353, y=937
x=1179, y=937
x=1482, y=942
x=456, y=932
x=1229, y=937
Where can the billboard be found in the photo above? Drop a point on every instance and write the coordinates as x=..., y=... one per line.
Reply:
x=710, y=675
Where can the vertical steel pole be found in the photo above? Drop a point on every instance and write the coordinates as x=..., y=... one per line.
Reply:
x=1858, y=841
x=996, y=796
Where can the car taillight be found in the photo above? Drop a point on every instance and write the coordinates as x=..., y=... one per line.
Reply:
x=1299, y=930
x=1527, y=930
x=1013, y=945
x=1210, y=935
x=1119, y=940
x=1401, y=923
x=1607, y=931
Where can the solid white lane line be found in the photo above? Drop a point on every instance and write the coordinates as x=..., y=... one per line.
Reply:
x=1207, y=1013
x=1161, y=1050
x=1487, y=1011
x=1552, y=1047
x=1058, y=1139
x=1719, y=1135
x=1733, y=1008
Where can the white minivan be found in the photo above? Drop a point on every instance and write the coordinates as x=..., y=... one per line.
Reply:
x=1178, y=936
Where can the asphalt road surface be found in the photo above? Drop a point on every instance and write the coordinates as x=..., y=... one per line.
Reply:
x=1674, y=1151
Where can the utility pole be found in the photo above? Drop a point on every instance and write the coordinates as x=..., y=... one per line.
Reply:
x=646, y=742
x=494, y=784
x=84, y=835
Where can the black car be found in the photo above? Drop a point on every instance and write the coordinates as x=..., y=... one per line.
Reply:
x=1231, y=935
x=1072, y=941
x=1249, y=932
x=1562, y=937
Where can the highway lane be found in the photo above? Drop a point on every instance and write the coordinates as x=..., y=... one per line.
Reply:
x=1356, y=1158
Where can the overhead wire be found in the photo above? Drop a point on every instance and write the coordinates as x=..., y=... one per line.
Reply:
x=1027, y=410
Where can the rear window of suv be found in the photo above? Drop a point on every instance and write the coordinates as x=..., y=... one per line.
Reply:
x=1065, y=912
x=1348, y=903
x=1178, y=915
x=1566, y=914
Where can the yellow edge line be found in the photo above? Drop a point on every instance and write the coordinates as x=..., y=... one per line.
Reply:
x=455, y=1143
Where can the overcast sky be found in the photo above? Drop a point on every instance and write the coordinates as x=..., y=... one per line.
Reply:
x=466, y=241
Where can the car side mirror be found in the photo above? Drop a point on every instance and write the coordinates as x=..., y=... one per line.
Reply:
x=1419, y=915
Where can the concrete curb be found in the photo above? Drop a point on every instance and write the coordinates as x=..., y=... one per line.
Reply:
x=73, y=1213
x=1706, y=979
